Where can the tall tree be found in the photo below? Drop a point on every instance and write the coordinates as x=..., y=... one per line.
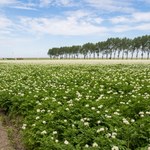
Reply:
x=108, y=49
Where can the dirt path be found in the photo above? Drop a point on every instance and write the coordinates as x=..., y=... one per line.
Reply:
x=4, y=142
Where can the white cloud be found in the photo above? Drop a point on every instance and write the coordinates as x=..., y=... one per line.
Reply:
x=46, y=3
x=119, y=19
x=7, y=2
x=70, y=25
x=25, y=7
x=6, y=26
x=145, y=1
x=137, y=17
x=64, y=2
x=121, y=28
x=135, y=27
x=111, y=5
x=84, y=23
x=86, y=16
x=138, y=21
x=5, y=22
x=141, y=17
x=18, y=4
x=143, y=26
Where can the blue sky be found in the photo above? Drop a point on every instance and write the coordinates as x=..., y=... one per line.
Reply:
x=28, y=28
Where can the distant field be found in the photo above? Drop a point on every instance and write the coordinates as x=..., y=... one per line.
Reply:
x=78, y=61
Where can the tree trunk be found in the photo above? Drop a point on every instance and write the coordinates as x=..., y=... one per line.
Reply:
x=102, y=56
x=142, y=54
x=118, y=54
x=106, y=55
x=122, y=54
x=94, y=55
x=127, y=55
x=132, y=54
x=148, y=54
x=77, y=56
x=137, y=54
x=110, y=55
x=97, y=55
x=115, y=54
x=90, y=55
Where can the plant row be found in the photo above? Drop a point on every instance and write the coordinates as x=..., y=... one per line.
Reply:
x=79, y=107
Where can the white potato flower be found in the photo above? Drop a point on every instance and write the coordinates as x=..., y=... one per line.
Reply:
x=115, y=148
x=100, y=106
x=142, y=116
x=113, y=136
x=67, y=109
x=95, y=144
x=98, y=121
x=100, y=130
x=48, y=111
x=132, y=120
x=98, y=112
x=86, y=123
x=66, y=142
x=54, y=132
x=86, y=145
x=65, y=120
x=44, y=122
x=43, y=110
x=23, y=127
x=43, y=132
x=87, y=105
x=37, y=118
x=141, y=113
x=116, y=113
x=125, y=121
x=38, y=110
x=93, y=108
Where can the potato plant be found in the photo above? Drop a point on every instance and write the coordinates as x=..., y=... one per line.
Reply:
x=79, y=107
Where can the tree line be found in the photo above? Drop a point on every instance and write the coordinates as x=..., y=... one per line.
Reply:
x=112, y=48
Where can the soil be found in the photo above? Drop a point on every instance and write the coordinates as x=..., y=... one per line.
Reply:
x=10, y=138
x=4, y=141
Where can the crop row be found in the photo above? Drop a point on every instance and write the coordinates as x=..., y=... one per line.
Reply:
x=79, y=107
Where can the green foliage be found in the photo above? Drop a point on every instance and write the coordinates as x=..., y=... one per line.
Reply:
x=79, y=107
x=109, y=49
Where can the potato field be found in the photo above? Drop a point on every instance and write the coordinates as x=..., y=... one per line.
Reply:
x=79, y=106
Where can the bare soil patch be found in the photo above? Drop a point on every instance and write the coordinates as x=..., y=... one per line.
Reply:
x=4, y=141
x=10, y=138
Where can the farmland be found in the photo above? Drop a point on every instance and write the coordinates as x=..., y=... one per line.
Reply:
x=79, y=106
x=78, y=61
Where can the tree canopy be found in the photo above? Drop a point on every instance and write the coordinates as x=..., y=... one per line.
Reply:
x=112, y=48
